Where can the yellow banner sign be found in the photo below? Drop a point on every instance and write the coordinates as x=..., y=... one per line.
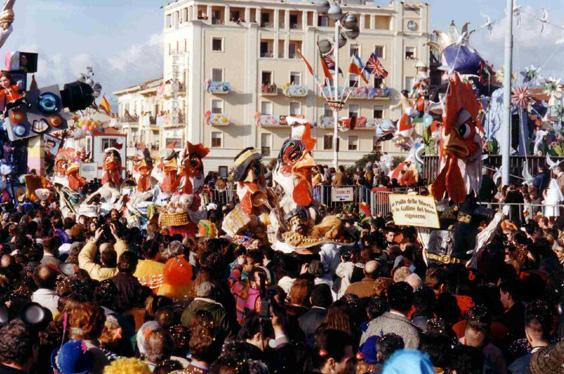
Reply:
x=414, y=210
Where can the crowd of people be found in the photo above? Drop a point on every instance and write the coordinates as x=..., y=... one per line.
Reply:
x=92, y=295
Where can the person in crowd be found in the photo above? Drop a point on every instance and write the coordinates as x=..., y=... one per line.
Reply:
x=365, y=287
x=109, y=254
x=17, y=348
x=333, y=352
x=400, y=300
x=45, y=295
x=310, y=321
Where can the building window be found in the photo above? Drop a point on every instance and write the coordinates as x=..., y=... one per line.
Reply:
x=169, y=20
x=410, y=53
x=293, y=48
x=295, y=108
x=295, y=78
x=217, y=106
x=354, y=49
x=354, y=110
x=266, y=48
x=216, y=139
x=265, y=142
x=378, y=112
x=217, y=75
x=265, y=20
x=323, y=21
x=327, y=111
x=186, y=14
x=327, y=142
x=378, y=82
x=294, y=21
x=353, y=143
x=353, y=80
x=408, y=83
x=266, y=108
x=217, y=44
x=379, y=51
x=266, y=77
x=223, y=171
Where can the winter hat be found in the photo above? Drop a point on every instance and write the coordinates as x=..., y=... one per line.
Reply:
x=72, y=358
x=177, y=271
x=408, y=361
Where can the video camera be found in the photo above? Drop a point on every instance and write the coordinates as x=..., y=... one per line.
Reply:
x=37, y=111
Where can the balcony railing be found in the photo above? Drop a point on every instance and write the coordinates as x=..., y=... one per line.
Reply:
x=295, y=90
x=346, y=123
x=269, y=90
x=368, y=93
x=218, y=88
x=216, y=119
x=269, y=120
x=360, y=93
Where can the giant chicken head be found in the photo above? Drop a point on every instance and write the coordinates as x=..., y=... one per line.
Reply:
x=460, y=145
x=143, y=166
x=294, y=166
x=192, y=167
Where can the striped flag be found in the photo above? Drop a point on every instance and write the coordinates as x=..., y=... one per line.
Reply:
x=357, y=67
x=308, y=65
x=105, y=105
x=374, y=66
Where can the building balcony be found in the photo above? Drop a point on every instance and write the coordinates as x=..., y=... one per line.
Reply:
x=345, y=123
x=216, y=119
x=358, y=93
x=271, y=121
x=294, y=90
x=369, y=93
x=218, y=88
x=269, y=90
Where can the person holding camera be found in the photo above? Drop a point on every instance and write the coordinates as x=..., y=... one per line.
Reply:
x=109, y=253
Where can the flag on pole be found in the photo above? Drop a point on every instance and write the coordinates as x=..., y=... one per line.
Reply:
x=328, y=61
x=105, y=105
x=326, y=70
x=357, y=67
x=374, y=66
x=308, y=65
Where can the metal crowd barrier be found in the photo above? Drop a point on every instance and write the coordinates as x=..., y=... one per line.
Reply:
x=338, y=197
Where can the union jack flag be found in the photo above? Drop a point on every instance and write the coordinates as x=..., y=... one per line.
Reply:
x=374, y=66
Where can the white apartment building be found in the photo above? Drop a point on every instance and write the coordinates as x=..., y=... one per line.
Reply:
x=144, y=114
x=240, y=73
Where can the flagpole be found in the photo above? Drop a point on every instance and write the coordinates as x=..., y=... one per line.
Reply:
x=506, y=128
x=335, y=107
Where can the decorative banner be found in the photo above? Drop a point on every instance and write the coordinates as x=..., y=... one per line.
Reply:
x=89, y=170
x=414, y=210
x=342, y=194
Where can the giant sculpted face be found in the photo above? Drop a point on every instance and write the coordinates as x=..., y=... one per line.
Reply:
x=460, y=144
x=294, y=167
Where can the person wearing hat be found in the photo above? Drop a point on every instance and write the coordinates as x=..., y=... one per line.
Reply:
x=72, y=358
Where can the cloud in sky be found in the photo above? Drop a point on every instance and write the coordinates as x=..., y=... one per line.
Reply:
x=122, y=39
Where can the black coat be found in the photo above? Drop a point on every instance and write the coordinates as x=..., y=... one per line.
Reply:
x=310, y=321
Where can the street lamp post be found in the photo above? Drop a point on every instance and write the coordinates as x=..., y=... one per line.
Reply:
x=342, y=21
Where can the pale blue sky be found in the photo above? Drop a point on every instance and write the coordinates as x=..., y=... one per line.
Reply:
x=121, y=38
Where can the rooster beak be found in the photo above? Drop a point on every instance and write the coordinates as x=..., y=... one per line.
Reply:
x=306, y=161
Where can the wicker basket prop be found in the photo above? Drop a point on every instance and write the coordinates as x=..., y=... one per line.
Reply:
x=174, y=219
